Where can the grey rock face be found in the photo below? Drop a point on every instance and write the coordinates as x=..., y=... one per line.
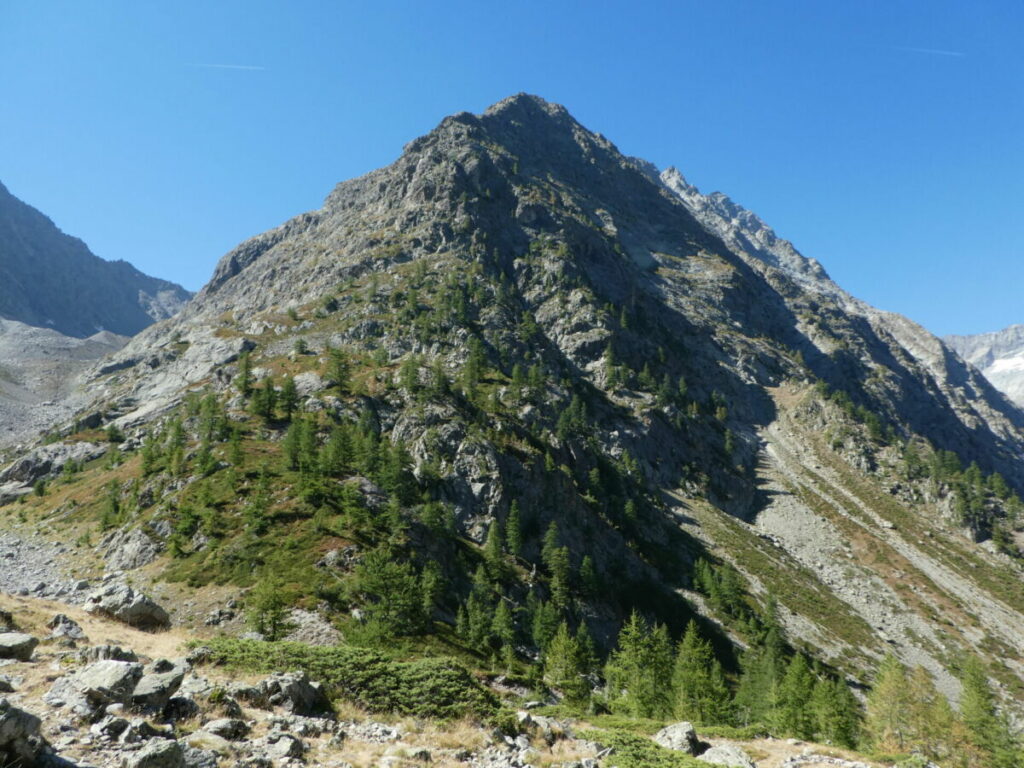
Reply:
x=681, y=737
x=21, y=743
x=17, y=645
x=125, y=604
x=47, y=461
x=999, y=355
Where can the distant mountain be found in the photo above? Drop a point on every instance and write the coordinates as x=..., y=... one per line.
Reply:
x=999, y=355
x=52, y=280
x=542, y=382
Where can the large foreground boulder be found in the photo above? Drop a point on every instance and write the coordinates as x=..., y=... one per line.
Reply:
x=123, y=603
x=21, y=744
x=17, y=645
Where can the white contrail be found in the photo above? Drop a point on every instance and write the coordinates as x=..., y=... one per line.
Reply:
x=229, y=66
x=932, y=51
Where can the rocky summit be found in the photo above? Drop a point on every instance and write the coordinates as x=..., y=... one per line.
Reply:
x=526, y=432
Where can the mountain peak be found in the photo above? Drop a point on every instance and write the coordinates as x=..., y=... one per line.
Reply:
x=529, y=106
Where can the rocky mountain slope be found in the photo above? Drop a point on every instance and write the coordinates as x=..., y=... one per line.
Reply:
x=999, y=355
x=61, y=309
x=52, y=280
x=538, y=384
x=39, y=368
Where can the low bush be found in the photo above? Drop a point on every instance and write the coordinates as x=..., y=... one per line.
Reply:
x=437, y=688
x=632, y=750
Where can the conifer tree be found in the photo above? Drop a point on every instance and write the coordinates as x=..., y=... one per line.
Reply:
x=267, y=607
x=544, y=623
x=514, y=530
x=550, y=544
x=431, y=588
x=480, y=609
x=589, y=582
x=985, y=727
x=264, y=400
x=836, y=712
x=494, y=557
x=885, y=720
x=795, y=716
x=588, y=651
x=699, y=686
x=289, y=398
x=561, y=570
x=757, y=696
x=636, y=671
x=243, y=381
x=503, y=630
x=562, y=667
x=339, y=369
x=929, y=717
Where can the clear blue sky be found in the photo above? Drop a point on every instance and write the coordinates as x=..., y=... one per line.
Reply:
x=885, y=138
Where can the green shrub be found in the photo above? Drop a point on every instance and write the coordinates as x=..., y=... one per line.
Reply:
x=632, y=750
x=438, y=688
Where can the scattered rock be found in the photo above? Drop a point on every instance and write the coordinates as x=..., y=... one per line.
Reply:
x=106, y=652
x=127, y=549
x=282, y=745
x=123, y=603
x=158, y=753
x=681, y=737
x=160, y=681
x=62, y=626
x=47, y=460
x=20, y=740
x=729, y=755
x=196, y=757
x=227, y=728
x=292, y=691
x=93, y=688
x=17, y=645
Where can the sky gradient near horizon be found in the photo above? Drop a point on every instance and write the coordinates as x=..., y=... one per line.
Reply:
x=885, y=139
